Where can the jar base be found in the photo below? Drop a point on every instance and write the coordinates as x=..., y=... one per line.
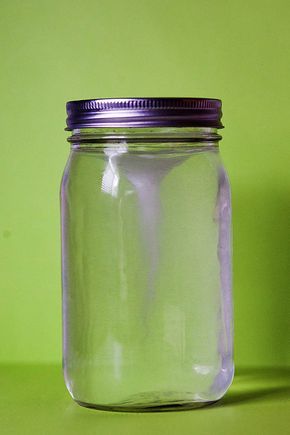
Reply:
x=148, y=407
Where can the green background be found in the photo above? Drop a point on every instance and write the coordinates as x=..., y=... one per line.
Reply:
x=54, y=51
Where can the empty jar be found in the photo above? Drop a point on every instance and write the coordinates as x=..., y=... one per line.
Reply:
x=146, y=255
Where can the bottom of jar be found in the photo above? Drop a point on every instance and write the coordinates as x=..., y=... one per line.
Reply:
x=148, y=407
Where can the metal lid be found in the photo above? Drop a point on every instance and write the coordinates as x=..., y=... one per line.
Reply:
x=144, y=112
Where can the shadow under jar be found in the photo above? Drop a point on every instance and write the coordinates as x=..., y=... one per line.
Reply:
x=146, y=255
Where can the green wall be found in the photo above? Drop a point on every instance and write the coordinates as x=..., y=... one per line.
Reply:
x=53, y=51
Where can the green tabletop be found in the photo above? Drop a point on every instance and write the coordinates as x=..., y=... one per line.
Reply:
x=34, y=400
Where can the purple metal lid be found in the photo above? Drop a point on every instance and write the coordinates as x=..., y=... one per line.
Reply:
x=144, y=112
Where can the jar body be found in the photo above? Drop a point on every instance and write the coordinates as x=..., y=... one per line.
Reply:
x=146, y=266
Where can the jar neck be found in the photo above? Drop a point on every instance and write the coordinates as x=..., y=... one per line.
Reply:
x=165, y=135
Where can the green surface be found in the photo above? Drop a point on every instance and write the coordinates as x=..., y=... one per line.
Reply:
x=34, y=401
x=53, y=51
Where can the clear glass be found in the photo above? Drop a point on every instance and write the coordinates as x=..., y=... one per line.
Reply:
x=146, y=266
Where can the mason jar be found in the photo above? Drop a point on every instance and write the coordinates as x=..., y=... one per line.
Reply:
x=146, y=255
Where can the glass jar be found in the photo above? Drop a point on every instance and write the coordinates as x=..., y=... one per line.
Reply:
x=146, y=255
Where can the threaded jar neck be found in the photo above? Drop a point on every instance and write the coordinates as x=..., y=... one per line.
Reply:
x=162, y=135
